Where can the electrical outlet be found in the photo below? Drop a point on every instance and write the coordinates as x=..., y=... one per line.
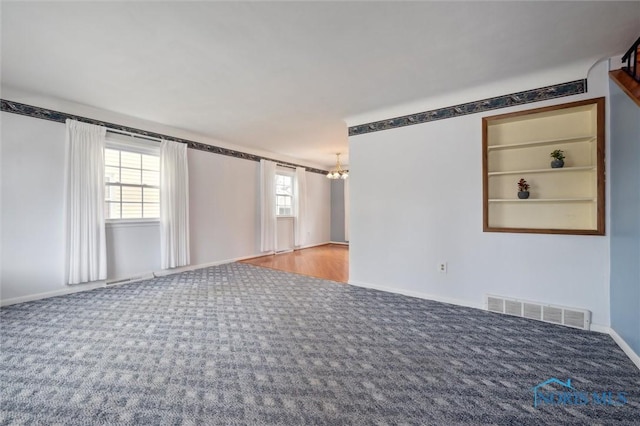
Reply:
x=442, y=267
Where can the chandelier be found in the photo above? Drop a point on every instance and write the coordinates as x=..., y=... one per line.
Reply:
x=338, y=172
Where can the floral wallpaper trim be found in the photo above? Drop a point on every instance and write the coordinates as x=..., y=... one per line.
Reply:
x=505, y=101
x=60, y=117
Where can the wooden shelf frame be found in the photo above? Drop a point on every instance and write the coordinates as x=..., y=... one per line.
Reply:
x=542, y=200
x=588, y=138
x=533, y=171
x=593, y=207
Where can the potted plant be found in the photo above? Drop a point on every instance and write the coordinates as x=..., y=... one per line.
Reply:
x=558, y=158
x=523, y=189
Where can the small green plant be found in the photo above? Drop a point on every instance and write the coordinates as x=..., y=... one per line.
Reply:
x=523, y=185
x=558, y=154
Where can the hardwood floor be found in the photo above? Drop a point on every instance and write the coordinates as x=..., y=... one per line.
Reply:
x=330, y=262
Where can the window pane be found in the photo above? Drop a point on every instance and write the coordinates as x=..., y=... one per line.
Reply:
x=131, y=168
x=130, y=159
x=111, y=174
x=284, y=185
x=151, y=195
x=150, y=162
x=112, y=193
x=112, y=211
x=282, y=190
x=131, y=176
x=111, y=157
x=150, y=178
x=151, y=210
x=131, y=194
x=131, y=210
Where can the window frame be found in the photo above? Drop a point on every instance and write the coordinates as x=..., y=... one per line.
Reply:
x=290, y=175
x=130, y=144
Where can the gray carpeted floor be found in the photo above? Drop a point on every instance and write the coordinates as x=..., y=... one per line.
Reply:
x=239, y=344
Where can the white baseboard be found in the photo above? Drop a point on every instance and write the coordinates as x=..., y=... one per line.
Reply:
x=340, y=243
x=165, y=272
x=69, y=289
x=633, y=356
x=418, y=294
x=128, y=280
x=100, y=284
x=598, y=328
x=313, y=245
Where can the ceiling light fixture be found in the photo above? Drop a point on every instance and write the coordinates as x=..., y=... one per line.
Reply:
x=338, y=172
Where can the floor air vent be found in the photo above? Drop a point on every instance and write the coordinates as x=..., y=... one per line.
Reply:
x=571, y=317
x=130, y=279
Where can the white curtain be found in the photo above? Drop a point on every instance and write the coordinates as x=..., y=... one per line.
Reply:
x=174, y=205
x=300, y=197
x=346, y=210
x=86, y=252
x=267, y=206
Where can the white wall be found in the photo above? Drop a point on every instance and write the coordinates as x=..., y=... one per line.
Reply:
x=224, y=210
x=318, y=210
x=133, y=249
x=338, y=210
x=625, y=213
x=32, y=206
x=430, y=210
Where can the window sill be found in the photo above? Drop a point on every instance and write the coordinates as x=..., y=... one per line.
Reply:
x=285, y=217
x=125, y=223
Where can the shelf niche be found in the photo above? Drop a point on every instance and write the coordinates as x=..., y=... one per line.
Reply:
x=568, y=200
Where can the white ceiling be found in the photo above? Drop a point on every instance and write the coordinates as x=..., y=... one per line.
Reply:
x=283, y=76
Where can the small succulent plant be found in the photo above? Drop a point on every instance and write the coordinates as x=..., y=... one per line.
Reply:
x=523, y=185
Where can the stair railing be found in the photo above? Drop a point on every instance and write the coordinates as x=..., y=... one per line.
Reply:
x=631, y=57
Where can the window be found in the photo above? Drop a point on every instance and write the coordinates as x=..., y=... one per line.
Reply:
x=284, y=195
x=132, y=181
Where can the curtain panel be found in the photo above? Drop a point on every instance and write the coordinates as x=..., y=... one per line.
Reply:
x=174, y=205
x=267, y=206
x=85, y=240
x=300, y=196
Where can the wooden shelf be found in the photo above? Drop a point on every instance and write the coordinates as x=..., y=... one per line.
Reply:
x=541, y=200
x=567, y=200
x=560, y=170
x=542, y=143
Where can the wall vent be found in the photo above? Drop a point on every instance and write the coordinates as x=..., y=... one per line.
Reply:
x=571, y=317
x=131, y=279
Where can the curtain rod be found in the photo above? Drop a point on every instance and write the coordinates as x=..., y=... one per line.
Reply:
x=133, y=135
x=288, y=166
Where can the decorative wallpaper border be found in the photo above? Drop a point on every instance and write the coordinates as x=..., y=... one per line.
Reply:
x=505, y=101
x=61, y=117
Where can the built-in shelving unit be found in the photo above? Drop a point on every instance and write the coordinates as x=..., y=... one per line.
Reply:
x=567, y=200
x=564, y=169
